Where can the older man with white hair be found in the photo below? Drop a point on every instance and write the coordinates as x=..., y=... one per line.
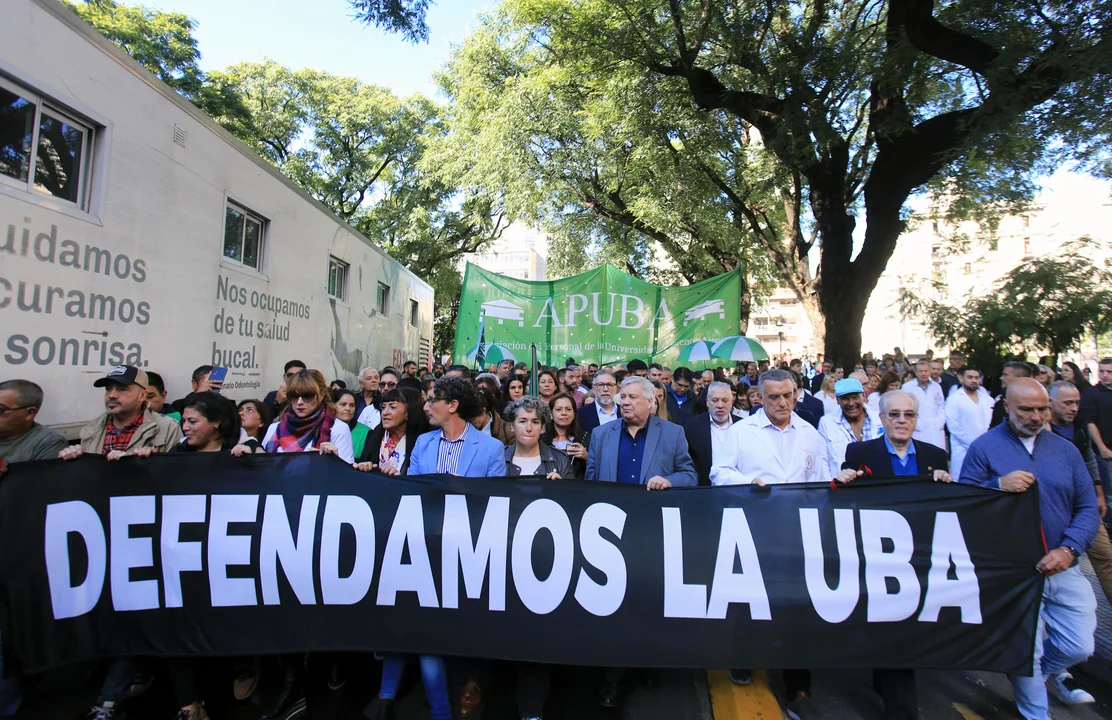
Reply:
x=708, y=430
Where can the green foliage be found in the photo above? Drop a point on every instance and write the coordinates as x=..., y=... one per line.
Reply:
x=401, y=16
x=1046, y=305
x=163, y=43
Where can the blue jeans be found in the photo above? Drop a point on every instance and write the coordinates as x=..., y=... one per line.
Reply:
x=434, y=676
x=1064, y=637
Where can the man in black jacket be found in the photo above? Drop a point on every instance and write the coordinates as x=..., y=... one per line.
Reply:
x=896, y=454
x=702, y=430
x=678, y=395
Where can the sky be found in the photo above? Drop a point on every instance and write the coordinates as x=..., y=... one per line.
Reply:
x=323, y=35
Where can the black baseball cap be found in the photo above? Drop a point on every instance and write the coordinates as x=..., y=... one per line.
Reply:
x=124, y=375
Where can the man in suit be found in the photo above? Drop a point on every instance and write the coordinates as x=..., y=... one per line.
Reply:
x=603, y=410
x=807, y=406
x=705, y=431
x=896, y=454
x=456, y=447
x=642, y=449
x=817, y=380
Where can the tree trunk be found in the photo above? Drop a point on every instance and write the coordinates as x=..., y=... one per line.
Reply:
x=810, y=304
x=746, y=302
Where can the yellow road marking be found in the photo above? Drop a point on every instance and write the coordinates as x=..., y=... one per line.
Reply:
x=966, y=712
x=742, y=702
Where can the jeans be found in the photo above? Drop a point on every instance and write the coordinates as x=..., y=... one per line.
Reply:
x=1064, y=636
x=434, y=676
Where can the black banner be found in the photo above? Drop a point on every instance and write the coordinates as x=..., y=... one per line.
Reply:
x=214, y=555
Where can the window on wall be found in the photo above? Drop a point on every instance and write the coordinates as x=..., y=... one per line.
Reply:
x=337, y=278
x=413, y=313
x=243, y=236
x=43, y=149
x=382, y=300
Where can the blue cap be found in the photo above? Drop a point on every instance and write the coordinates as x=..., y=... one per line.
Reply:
x=848, y=386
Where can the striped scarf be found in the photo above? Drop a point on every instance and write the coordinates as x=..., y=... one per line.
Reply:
x=294, y=433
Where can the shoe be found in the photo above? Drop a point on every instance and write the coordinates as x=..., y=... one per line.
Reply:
x=470, y=699
x=245, y=684
x=739, y=676
x=296, y=710
x=107, y=710
x=1065, y=688
x=379, y=709
x=799, y=708
x=612, y=695
x=196, y=711
x=140, y=684
x=337, y=678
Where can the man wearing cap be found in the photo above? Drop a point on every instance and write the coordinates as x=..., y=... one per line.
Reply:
x=127, y=424
x=855, y=423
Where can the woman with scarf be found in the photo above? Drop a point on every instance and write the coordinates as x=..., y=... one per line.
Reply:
x=309, y=421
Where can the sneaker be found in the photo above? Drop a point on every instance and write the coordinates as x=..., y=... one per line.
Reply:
x=245, y=684
x=107, y=710
x=741, y=677
x=1065, y=688
x=379, y=709
x=337, y=678
x=140, y=684
x=799, y=708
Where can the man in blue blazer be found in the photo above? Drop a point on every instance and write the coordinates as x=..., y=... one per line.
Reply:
x=603, y=410
x=640, y=449
x=455, y=447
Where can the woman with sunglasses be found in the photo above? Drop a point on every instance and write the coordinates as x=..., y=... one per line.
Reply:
x=309, y=421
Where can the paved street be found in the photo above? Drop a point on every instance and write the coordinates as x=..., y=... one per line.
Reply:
x=670, y=695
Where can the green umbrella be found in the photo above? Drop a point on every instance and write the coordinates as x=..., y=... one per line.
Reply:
x=700, y=350
x=494, y=354
x=739, y=349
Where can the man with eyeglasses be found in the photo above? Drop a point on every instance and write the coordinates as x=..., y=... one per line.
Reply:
x=681, y=404
x=895, y=454
x=603, y=410
x=21, y=438
x=387, y=381
x=276, y=399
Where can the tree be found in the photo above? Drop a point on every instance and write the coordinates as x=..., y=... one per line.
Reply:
x=854, y=106
x=401, y=16
x=163, y=43
x=595, y=160
x=1045, y=305
x=361, y=150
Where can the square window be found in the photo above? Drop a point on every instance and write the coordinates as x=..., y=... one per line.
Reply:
x=413, y=312
x=337, y=278
x=56, y=145
x=382, y=301
x=243, y=236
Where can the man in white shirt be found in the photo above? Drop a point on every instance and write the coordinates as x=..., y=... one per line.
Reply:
x=774, y=446
x=968, y=415
x=705, y=432
x=932, y=406
x=603, y=410
x=856, y=422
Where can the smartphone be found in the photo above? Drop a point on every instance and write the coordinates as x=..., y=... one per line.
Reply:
x=217, y=376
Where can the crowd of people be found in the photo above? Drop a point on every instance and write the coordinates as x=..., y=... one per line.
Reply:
x=649, y=425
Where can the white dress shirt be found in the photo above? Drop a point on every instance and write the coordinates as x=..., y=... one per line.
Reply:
x=931, y=427
x=755, y=448
x=967, y=420
x=606, y=417
x=837, y=434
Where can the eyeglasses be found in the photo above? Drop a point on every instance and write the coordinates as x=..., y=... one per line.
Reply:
x=5, y=410
x=896, y=415
x=387, y=384
x=605, y=385
x=307, y=397
x=432, y=399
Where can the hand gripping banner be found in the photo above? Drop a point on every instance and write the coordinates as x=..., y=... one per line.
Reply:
x=213, y=555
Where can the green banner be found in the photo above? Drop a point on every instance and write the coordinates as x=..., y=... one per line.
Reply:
x=601, y=316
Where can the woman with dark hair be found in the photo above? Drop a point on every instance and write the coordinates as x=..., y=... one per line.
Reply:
x=308, y=421
x=427, y=386
x=563, y=433
x=513, y=389
x=1073, y=375
x=741, y=400
x=209, y=422
x=547, y=384
x=345, y=402
x=254, y=418
x=660, y=403
x=489, y=420
x=388, y=445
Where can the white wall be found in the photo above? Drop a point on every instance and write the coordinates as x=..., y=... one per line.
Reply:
x=162, y=206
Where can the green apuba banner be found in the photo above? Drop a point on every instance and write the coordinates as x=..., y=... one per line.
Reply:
x=601, y=316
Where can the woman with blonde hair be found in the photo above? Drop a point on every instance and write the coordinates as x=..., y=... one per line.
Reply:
x=660, y=409
x=826, y=394
x=309, y=422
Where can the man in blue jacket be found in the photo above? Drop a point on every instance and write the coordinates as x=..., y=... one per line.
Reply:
x=1013, y=456
x=455, y=447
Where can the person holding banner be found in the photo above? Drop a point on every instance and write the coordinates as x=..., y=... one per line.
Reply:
x=387, y=446
x=1012, y=457
x=309, y=421
x=455, y=446
x=530, y=453
x=563, y=433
